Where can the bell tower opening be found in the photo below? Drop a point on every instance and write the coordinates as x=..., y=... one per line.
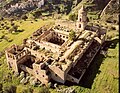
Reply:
x=82, y=18
x=79, y=25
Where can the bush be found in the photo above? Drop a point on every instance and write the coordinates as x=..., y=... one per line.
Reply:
x=73, y=17
x=7, y=39
x=113, y=28
x=0, y=40
x=72, y=35
x=15, y=27
x=24, y=17
x=12, y=24
x=2, y=18
x=1, y=86
x=37, y=13
x=29, y=90
x=7, y=27
x=2, y=24
x=1, y=53
x=9, y=89
x=1, y=37
x=44, y=90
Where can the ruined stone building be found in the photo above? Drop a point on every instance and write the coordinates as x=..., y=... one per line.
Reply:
x=50, y=54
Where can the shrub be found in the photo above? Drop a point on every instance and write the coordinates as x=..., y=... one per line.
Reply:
x=44, y=90
x=113, y=28
x=37, y=13
x=2, y=18
x=72, y=35
x=1, y=86
x=1, y=37
x=7, y=27
x=9, y=89
x=15, y=28
x=27, y=90
x=7, y=39
x=0, y=40
x=12, y=19
x=1, y=54
x=2, y=24
x=24, y=17
x=73, y=17
x=12, y=24
x=90, y=24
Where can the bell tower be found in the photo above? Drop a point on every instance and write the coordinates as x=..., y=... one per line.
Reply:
x=82, y=18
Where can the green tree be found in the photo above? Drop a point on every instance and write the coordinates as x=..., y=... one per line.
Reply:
x=1, y=87
x=2, y=18
x=27, y=90
x=24, y=17
x=15, y=28
x=37, y=13
x=44, y=90
x=72, y=35
x=73, y=17
x=9, y=89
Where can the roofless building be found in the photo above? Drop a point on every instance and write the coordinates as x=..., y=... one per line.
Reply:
x=50, y=54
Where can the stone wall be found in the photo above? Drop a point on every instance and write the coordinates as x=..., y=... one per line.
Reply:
x=57, y=74
x=40, y=74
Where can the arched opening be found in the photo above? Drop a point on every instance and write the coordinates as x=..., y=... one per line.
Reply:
x=79, y=25
x=80, y=20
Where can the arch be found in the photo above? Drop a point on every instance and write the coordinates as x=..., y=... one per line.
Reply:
x=79, y=25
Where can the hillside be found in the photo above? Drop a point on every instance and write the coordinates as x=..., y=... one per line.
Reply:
x=102, y=75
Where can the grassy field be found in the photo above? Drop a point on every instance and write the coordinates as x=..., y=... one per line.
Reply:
x=28, y=28
x=101, y=77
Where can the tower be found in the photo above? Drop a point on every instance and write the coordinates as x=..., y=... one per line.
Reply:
x=82, y=19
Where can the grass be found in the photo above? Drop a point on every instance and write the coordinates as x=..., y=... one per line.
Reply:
x=28, y=28
x=101, y=77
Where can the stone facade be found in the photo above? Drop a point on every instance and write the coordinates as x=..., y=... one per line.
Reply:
x=50, y=54
x=82, y=19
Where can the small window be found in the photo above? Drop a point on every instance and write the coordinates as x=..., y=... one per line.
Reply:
x=36, y=71
x=80, y=19
x=79, y=25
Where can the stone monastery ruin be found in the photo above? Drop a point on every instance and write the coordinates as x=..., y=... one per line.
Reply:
x=50, y=54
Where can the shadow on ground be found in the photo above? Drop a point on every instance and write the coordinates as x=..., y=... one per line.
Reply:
x=90, y=74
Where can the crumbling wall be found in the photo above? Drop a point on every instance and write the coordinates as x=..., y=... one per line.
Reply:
x=57, y=74
x=40, y=74
x=11, y=61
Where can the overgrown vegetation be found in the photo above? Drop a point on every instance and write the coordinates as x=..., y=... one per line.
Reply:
x=72, y=35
